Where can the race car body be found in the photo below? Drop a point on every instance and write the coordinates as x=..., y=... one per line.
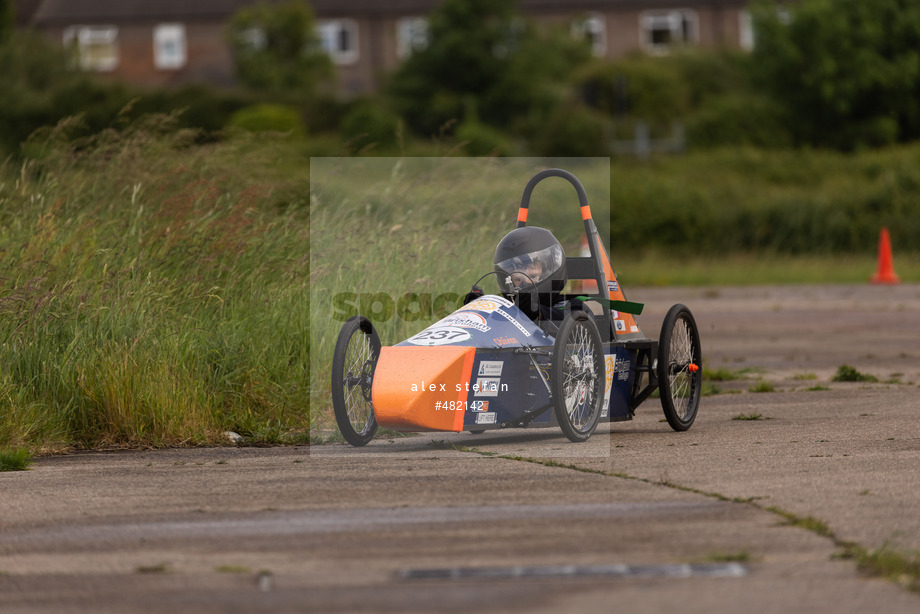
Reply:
x=490, y=365
x=484, y=366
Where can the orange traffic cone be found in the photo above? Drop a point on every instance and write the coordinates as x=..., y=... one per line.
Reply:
x=885, y=273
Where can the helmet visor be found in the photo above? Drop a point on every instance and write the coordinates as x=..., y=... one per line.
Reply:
x=530, y=269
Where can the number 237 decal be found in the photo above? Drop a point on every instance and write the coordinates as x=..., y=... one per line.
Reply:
x=439, y=336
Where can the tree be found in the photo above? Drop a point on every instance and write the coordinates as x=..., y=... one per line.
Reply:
x=846, y=71
x=276, y=49
x=7, y=19
x=483, y=62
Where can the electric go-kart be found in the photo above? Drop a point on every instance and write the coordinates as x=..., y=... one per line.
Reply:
x=499, y=361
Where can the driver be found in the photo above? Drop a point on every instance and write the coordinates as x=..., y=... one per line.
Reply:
x=530, y=266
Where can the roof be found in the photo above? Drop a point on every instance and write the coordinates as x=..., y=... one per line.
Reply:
x=76, y=11
x=24, y=10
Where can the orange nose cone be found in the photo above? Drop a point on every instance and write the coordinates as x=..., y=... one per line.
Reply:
x=422, y=388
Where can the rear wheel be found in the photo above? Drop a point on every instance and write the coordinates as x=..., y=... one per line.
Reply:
x=680, y=368
x=353, y=364
x=578, y=376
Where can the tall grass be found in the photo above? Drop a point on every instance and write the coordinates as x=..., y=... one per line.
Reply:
x=156, y=291
x=151, y=293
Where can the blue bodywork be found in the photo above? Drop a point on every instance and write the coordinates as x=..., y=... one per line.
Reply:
x=509, y=384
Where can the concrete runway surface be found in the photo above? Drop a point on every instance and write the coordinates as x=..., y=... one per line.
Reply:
x=638, y=519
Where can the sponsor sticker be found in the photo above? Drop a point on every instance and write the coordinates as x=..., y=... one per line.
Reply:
x=620, y=325
x=622, y=370
x=490, y=368
x=465, y=319
x=505, y=341
x=613, y=286
x=488, y=386
x=610, y=369
x=487, y=304
x=479, y=406
x=488, y=418
x=443, y=335
x=511, y=319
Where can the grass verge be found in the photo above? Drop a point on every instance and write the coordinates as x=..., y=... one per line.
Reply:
x=15, y=460
x=160, y=291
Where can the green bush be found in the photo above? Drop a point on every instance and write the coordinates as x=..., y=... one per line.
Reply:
x=482, y=55
x=710, y=92
x=481, y=140
x=99, y=104
x=848, y=71
x=737, y=119
x=32, y=68
x=572, y=130
x=269, y=118
x=289, y=60
x=199, y=107
x=41, y=91
x=782, y=201
x=369, y=124
x=324, y=114
x=649, y=88
x=15, y=460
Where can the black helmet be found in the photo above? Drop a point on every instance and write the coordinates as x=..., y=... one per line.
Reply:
x=530, y=259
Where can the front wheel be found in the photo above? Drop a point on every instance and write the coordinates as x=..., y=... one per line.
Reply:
x=353, y=364
x=578, y=376
x=680, y=362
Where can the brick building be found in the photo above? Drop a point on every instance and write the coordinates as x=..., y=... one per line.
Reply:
x=165, y=42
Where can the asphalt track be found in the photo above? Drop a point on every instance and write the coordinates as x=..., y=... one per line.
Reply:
x=638, y=519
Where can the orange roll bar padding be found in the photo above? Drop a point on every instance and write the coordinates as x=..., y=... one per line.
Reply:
x=413, y=385
x=586, y=212
x=522, y=215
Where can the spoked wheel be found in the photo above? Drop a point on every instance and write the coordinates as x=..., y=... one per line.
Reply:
x=578, y=376
x=353, y=364
x=680, y=368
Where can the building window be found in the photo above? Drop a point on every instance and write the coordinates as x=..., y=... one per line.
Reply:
x=96, y=47
x=411, y=35
x=169, y=46
x=339, y=39
x=593, y=29
x=661, y=30
x=745, y=31
x=254, y=38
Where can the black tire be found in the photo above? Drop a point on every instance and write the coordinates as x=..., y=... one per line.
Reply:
x=680, y=368
x=476, y=431
x=353, y=364
x=577, y=380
